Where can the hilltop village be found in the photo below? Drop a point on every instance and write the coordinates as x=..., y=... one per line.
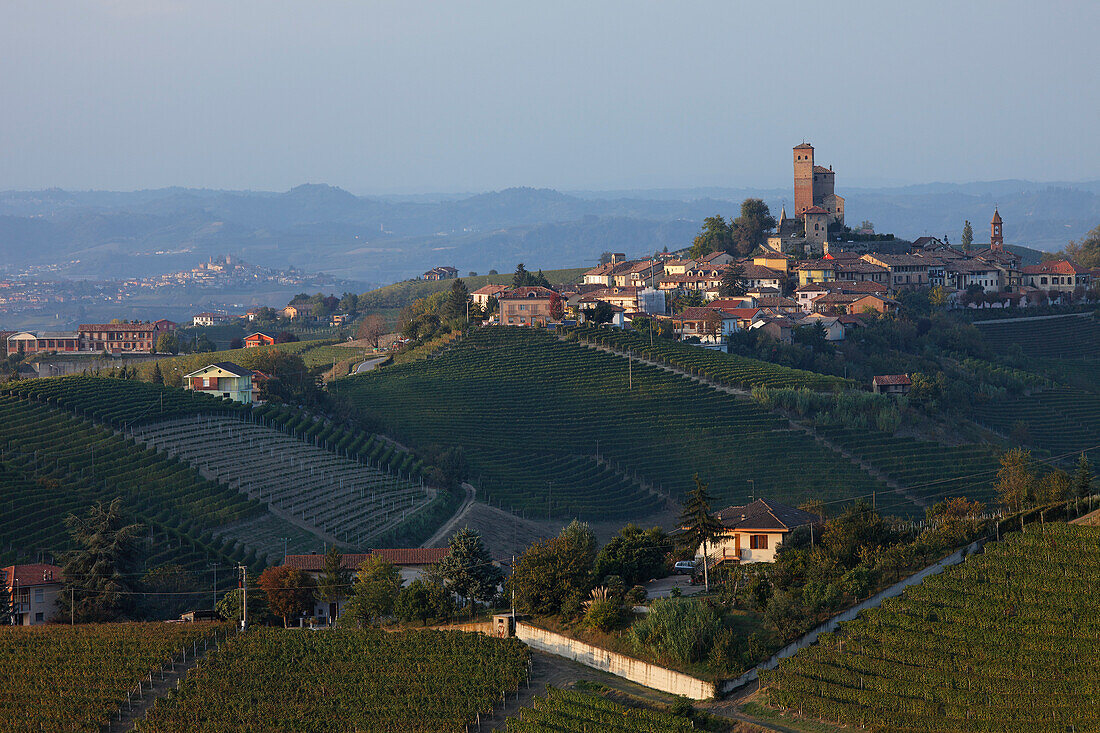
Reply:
x=661, y=482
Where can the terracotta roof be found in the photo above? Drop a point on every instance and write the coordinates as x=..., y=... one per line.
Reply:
x=33, y=574
x=775, y=301
x=698, y=313
x=728, y=303
x=351, y=561
x=120, y=326
x=815, y=210
x=886, y=380
x=765, y=514
x=996, y=217
x=1055, y=267
x=760, y=272
x=527, y=291
x=804, y=146
x=742, y=312
x=858, y=266
x=490, y=290
x=817, y=265
x=821, y=169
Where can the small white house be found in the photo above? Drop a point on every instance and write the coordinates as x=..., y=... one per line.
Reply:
x=753, y=533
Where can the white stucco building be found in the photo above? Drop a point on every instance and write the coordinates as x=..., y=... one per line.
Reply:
x=753, y=533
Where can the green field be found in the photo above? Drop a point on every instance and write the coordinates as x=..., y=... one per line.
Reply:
x=530, y=409
x=343, y=681
x=1003, y=642
x=74, y=678
x=571, y=711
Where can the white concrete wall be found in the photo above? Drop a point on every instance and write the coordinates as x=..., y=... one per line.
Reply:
x=644, y=673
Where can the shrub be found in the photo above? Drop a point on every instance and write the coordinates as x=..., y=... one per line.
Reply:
x=680, y=630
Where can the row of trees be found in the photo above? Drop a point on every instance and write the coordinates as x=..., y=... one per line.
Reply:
x=1021, y=484
x=738, y=237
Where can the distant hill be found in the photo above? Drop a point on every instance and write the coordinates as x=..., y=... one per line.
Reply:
x=318, y=227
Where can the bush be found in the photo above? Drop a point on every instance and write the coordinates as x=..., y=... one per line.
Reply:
x=680, y=630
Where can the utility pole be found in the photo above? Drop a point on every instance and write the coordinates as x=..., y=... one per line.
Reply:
x=630, y=374
x=753, y=483
x=244, y=596
x=549, y=498
x=284, y=539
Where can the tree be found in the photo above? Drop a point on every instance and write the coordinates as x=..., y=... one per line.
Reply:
x=285, y=337
x=98, y=575
x=519, y=279
x=455, y=305
x=290, y=592
x=1085, y=253
x=1016, y=479
x=158, y=376
x=468, y=569
x=422, y=600
x=712, y=323
x=715, y=236
x=1082, y=478
x=635, y=555
x=228, y=606
x=168, y=343
x=867, y=227
x=236, y=343
x=605, y=258
x=602, y=313
x=375, y=590
x=371, y=329
x=749, y=230
x=349, y=303
x=968, y=236
x=733, y=282
x=557, y=307
x=334, y=581
x=555, y=576
x=203, y=344
x=1055, y=486
x=700, y=525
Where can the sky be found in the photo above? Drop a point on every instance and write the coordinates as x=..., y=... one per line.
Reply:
x=405, y=96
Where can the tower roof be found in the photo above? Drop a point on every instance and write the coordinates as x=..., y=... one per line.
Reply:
x=996, y=217
x=804, y=146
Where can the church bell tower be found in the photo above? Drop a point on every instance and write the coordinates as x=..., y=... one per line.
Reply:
x=996, y=233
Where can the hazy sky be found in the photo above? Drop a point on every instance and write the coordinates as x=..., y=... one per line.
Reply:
x=409, y=96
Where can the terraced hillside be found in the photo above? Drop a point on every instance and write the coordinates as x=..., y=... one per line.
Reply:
x=1058, y=338
x=729, y=369
x=930, y=471
x=1004, y=642
x=345, y=500
x=54, y=463
x=533, y=412
x=572, y=711
x=1063, y=420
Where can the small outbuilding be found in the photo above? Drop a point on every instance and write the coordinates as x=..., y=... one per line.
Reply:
x=891, y=384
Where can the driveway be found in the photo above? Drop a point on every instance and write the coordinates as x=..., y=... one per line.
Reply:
x=370, y=364
x=662, y=587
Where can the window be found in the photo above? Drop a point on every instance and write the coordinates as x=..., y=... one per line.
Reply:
x=39, y=617
x=758, y=542
x=39, y=595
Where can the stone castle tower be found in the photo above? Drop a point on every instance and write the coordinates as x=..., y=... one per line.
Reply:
x=814, y=185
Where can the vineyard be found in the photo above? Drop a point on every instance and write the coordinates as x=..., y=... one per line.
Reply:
x=55, y=463
x=933, y=471
x=551, y=427
x=1057, y=338
x=343, y=680
x=187, y=363
x=304, y=458
x=1063, y=420
x=344, y=499
x=73, y=678
x=732, y=370
x=570, y=711
x=1003, y=642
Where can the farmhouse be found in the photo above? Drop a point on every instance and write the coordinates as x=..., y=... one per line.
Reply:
x=891, y=384
x=482, y=295
x=409, y=563
x=753, y=533
x=208, y=319
x=441, y=273
x=224, y=379
x=32, y=591
x=526, y=306
x=253, y=340
x=27, y=342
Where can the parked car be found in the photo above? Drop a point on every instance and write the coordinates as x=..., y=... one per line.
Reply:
x=685, y=567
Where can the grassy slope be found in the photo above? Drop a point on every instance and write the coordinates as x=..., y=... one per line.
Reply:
x=398, y=295
x=522, y=399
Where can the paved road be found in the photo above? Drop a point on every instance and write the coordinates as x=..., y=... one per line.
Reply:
x=370, y=364
x=662, y=587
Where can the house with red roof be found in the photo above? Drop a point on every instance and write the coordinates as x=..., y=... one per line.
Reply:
x=410, y=562
x=1062, y=276
x=891, y=384
x=753, y=532
x=253, y=340
x=33, y=591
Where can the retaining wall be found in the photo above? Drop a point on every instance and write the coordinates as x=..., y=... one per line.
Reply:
x=635, y=670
